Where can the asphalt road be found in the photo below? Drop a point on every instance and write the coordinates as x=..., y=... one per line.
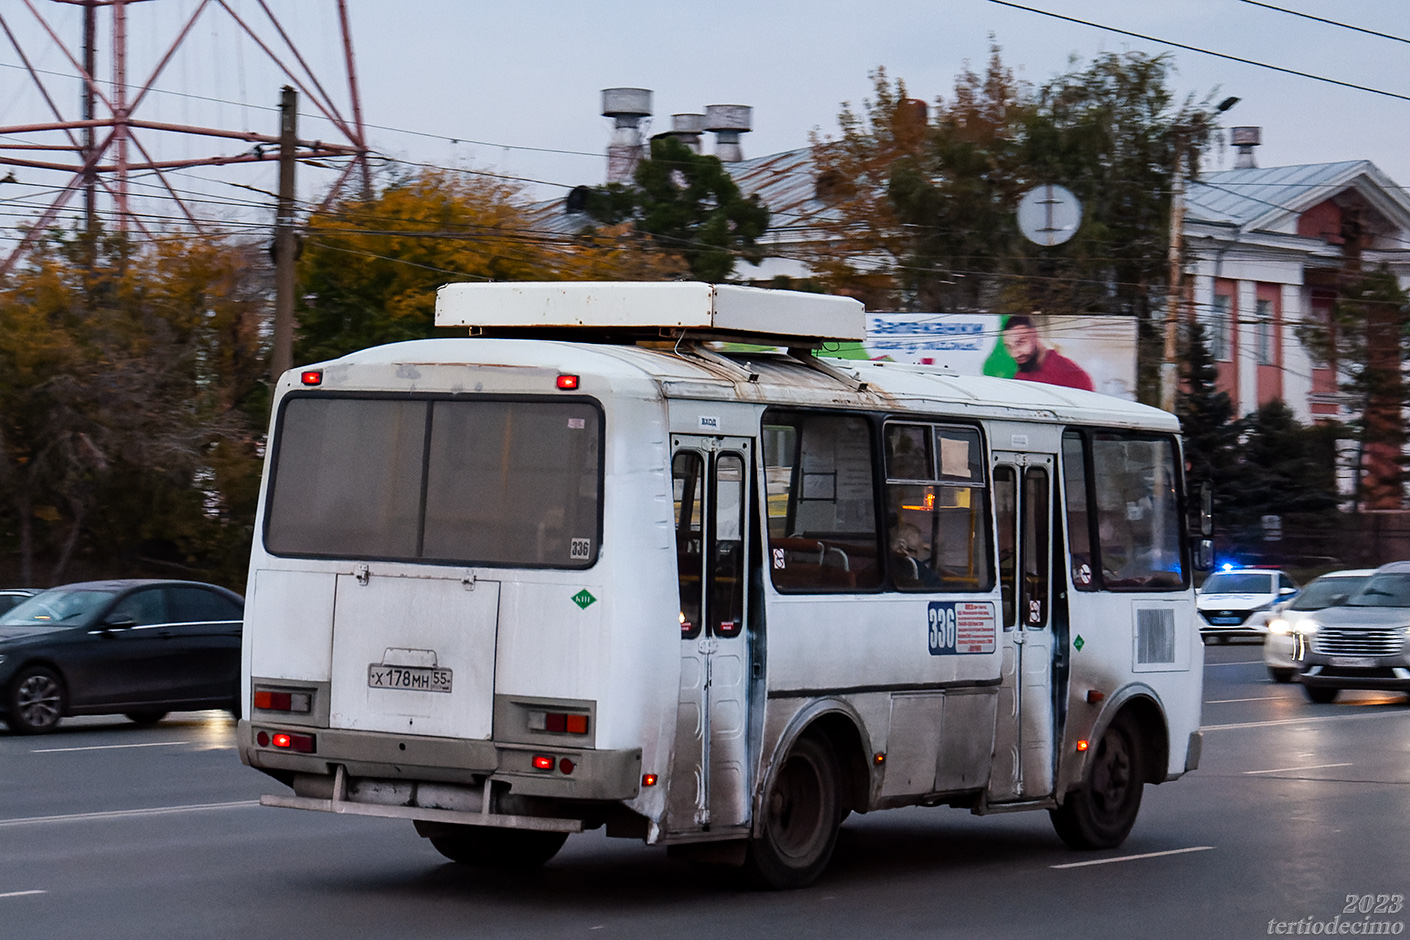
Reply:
x=1297, y=819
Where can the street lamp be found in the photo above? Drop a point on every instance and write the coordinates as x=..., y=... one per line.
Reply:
x=1169, y=368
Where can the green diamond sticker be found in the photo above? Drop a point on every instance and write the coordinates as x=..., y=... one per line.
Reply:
x=583, y=599
x=1078, y=643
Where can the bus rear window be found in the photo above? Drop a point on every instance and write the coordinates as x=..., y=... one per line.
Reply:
x=448, y=482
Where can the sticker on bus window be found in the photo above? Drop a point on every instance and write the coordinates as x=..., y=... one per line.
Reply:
x=577, y=424
x=961, y=627
x=580, y=549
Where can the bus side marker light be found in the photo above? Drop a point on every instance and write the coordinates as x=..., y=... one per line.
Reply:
x=1082, y=745
x=312, y=377
x=543, y=762
x=878, y=758
x=648, y=780
x=1093, y=696
x=567, y=382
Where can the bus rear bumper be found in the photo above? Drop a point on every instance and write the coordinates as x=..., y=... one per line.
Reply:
x=377, y=769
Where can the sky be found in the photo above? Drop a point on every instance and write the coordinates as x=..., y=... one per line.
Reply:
x=515, y=89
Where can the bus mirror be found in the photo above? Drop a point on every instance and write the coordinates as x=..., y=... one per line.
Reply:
x=1204, y=554
x=1202, y=514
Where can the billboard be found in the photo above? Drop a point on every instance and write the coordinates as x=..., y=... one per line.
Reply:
x=1095, y=352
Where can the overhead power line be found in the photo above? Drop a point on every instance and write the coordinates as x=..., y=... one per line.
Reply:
x=1203, y=51
x=1320, y=19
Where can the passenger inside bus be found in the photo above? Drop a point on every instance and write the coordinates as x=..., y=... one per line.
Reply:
x=910, y=559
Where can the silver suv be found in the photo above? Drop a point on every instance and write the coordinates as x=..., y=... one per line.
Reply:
x=1362, y=644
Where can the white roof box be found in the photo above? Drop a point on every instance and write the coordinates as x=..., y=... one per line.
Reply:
x=649, y=309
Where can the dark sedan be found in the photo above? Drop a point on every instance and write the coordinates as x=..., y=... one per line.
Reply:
x=135, y=648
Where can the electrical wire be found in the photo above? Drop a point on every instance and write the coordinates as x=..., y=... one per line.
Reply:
x=1320, y=19
x=1203, y=51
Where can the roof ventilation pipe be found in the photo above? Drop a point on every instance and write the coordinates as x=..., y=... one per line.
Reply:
x=727, y=122
x=627, y=107
x=1245, y=138
x=687, y=128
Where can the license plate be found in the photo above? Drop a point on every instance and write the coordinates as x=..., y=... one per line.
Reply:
x=1354, y=662
x=413, y=678
x=1224, y=621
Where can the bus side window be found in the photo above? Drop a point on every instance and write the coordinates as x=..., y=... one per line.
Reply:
x=821, y=505
x=1138, y=512
x=687, y=484
x=937, y=509
x=1079, y=528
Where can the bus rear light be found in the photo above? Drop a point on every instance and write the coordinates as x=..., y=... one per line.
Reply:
x=269, y=700
x=1082, y=745
x=312, y=377
x=1093, y=696
x=565, y=766
x=568, y=383
x=648, y=780
x=543, y=762
x=303, y=743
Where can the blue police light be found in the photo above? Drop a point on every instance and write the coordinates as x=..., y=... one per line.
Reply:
x=1228, y=566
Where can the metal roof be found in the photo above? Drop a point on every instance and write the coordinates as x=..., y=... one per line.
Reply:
x=1258, y=198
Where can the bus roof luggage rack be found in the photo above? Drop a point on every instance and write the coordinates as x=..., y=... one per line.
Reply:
x=634, y=311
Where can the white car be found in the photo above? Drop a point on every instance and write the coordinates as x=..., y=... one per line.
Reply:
x=1330, y=590
x=1238, y=601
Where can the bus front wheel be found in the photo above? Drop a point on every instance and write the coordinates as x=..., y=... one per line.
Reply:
x=489, y=846
x=801, y=812
x=1100, y=813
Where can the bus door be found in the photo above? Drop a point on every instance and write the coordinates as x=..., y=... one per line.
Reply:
x=709, y=784
x=1024, y=755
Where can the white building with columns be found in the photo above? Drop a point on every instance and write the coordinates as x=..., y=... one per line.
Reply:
x=1268, y=246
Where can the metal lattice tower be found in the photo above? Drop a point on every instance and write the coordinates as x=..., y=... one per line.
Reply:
x=98, y=150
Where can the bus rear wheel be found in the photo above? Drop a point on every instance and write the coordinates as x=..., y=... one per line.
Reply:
x=1100, y=814
x=801, y=812
x=490, y=846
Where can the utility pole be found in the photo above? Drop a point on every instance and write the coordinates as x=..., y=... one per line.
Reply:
x=1169, y=370
x=282, y=356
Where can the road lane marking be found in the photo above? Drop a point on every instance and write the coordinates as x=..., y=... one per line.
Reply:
x=124, y=813
x=1230, y=701
x=106, y=747
x=20, y=894
x=1282, y=770
x=1299, y=721
x=1132, y=858
x=1251, y=662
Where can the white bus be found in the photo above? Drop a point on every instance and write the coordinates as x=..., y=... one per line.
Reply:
x=584, y=569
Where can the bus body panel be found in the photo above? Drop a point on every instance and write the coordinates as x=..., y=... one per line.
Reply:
x=924, y=724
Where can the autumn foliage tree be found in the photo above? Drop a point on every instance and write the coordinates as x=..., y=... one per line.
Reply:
x=369, y=268
x=130, y=403
x=922, y=214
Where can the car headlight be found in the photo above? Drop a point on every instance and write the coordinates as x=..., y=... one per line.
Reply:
x=1307, y=628
x=1279, y=625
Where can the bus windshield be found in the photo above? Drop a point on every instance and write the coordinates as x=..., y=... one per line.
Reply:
x=453, y=482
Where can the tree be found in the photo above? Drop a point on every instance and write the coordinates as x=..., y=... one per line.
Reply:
x=933, y=215
x=1282, y=468
x=1367, y=339
x=126, y=380
x=688, y=206
x=369, y=269
x=1206, y=414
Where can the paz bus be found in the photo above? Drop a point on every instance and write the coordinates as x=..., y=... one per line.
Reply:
x=588, y=567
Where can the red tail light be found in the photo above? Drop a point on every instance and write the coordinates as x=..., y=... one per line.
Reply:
x=312, y=377
x=568, y=382
x=543, y=762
